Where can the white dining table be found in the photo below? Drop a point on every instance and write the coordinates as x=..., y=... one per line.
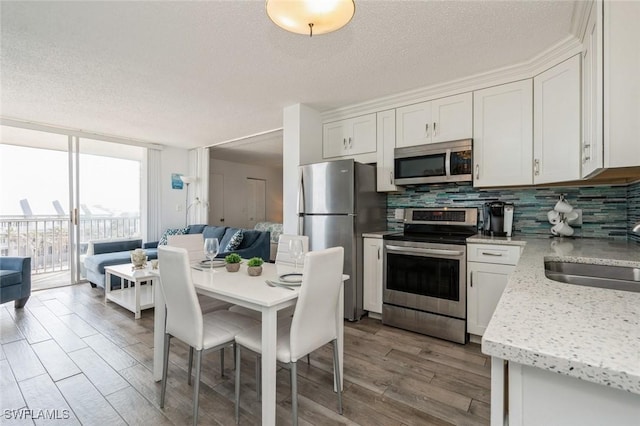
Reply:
x=251, y=292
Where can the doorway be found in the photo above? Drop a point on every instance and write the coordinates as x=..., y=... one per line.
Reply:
x=256, y=201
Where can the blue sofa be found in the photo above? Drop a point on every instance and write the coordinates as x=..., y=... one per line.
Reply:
x=254, y=244
x=15, y=280
x=109, y=253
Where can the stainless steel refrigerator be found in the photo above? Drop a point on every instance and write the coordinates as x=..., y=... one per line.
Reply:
x=337, y=203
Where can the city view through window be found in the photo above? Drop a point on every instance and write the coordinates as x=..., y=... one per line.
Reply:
x=35, y=194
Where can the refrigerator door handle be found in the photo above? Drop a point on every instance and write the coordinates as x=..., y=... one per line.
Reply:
x=301, y=193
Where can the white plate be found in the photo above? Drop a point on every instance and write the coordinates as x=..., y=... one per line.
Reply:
x=217, y=263
x=291, y=279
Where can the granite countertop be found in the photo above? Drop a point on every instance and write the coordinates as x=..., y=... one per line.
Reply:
x=505, y=241
x=589, y=333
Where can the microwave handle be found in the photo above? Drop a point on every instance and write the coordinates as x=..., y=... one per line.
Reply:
x=447, y=162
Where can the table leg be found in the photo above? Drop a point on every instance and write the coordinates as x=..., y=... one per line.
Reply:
x=269, y=336
x=158, y=334
x=107, y=285
x=340, y=332
x=136, y=292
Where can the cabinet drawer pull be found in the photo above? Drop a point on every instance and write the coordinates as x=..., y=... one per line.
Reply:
x=477, y=171
x=378, y=253
x=344, y=143
x=391, y=178
x=350, y=143
x=487, y=253
x=426, y=130
x=435, y=132
x=536, y=167
x=471, y=279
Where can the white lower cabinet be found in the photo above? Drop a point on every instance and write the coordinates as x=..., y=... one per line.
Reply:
x=372, y=275
x=486, y=281
x=523, y=395
x=485, y=284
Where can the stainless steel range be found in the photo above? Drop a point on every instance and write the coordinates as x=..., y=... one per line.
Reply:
x=425, y=272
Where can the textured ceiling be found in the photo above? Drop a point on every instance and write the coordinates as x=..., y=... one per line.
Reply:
x=197, y=73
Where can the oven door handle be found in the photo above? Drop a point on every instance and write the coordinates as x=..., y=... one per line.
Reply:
x=412, y=250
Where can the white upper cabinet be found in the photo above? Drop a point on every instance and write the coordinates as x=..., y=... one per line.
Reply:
x=413, y=125
x=452, y=118
x=503, y=135
x=592, y=142
x=349, y=137
x=440, y=120
x=621, y=83
x=556, y=123
x=386, y=122
x=611, y=87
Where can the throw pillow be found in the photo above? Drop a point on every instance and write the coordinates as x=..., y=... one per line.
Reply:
x=235, y=241
x=171, y=231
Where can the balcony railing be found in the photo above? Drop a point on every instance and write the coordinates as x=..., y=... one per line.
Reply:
x=46, y=238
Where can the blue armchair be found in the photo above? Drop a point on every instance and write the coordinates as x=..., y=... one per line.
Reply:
x=15, y=280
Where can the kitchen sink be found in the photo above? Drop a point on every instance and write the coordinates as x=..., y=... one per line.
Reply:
x=603, y=276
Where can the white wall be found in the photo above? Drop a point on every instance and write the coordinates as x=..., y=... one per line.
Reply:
x=172, y=201
x=235, y=191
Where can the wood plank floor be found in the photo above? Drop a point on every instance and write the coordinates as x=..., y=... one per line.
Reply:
x=68, y=355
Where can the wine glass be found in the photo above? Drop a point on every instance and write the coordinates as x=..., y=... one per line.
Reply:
x=211, y=249
x=296, y=251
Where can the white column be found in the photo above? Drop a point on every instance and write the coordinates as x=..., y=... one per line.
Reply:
x=301, y=144
x=153, y=205
x=198, y=197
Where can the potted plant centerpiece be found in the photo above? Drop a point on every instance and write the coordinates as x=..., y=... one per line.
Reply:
x=232, y=262
x=255, y=266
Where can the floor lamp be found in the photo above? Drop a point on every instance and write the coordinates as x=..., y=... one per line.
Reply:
x=187, y=180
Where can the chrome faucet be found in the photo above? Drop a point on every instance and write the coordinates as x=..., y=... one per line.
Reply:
x=636, y=228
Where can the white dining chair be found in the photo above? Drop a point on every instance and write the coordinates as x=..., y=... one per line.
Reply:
x=313, y=324
x=283, y=255
x=185, y=321
x=283, y=258
x=194, y=244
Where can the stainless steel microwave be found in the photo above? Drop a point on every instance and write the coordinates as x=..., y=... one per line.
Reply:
x=434, y=162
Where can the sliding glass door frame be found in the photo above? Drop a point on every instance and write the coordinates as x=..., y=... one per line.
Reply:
x=74, y=206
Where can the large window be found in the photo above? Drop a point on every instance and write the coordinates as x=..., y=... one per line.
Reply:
x=47, y=180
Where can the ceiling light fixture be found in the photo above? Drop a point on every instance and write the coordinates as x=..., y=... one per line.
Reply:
x=310, y=16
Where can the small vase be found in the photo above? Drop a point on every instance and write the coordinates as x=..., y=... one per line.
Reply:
x=254, y=271
x=138, y=258
x=232, y=267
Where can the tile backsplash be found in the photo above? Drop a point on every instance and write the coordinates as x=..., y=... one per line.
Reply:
x=608, y=211
x=633, y=208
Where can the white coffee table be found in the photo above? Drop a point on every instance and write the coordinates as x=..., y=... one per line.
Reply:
x=134, y=296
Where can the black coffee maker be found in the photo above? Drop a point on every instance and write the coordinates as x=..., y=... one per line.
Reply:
x=497, y=219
